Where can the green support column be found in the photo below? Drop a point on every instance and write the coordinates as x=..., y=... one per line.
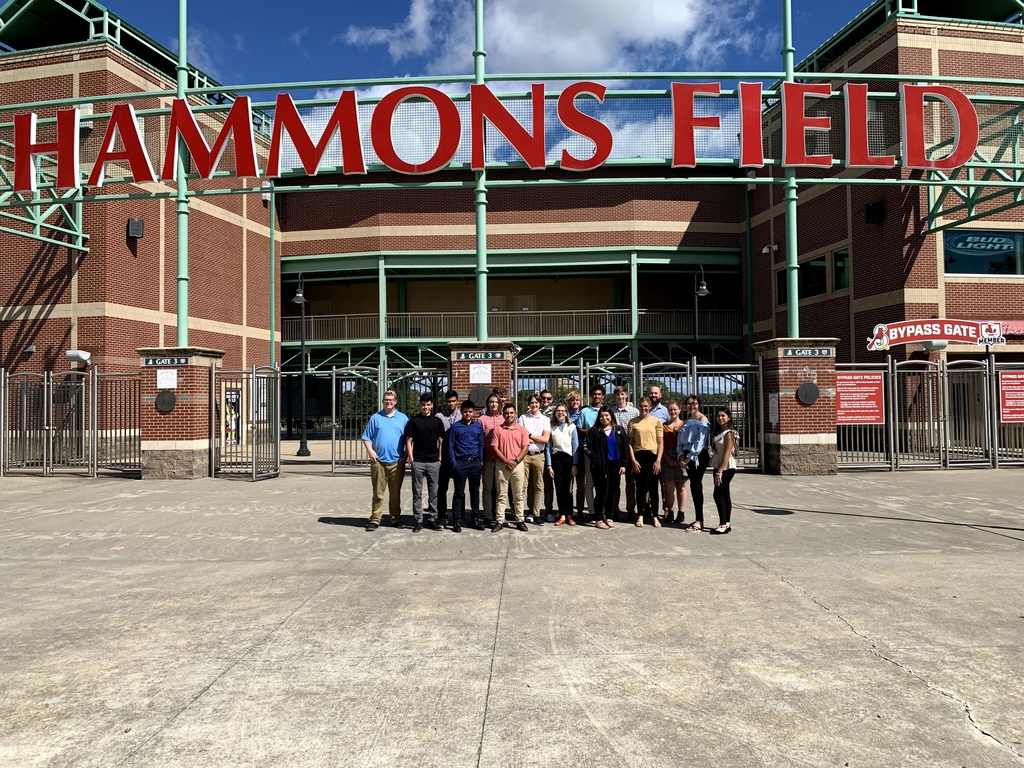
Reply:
x=382, y=301
x=481, y=194
x=634, y=293
x=273, y=268
x=181, y=194
x=792, y=263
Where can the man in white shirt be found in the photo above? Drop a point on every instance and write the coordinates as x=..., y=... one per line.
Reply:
x=539, y=427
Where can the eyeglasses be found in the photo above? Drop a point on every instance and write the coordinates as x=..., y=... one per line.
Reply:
x=545, y=397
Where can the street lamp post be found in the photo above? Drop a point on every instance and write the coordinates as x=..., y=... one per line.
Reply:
x=700, y=288
x=300, y=299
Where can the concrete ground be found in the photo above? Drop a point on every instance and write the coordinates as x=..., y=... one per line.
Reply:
x=869, y=619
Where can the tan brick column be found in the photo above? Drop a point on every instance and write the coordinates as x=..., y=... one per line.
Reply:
x=798, y=405
x=176, y=442
x=491, y=357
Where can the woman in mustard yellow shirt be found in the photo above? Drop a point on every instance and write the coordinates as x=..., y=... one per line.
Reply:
x=646, y=445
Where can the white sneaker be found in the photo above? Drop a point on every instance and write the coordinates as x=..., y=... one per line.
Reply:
x=529, y=518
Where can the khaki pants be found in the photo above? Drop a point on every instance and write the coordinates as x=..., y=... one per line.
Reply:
x=387, y=477
x=517, y=477
x=534, y=464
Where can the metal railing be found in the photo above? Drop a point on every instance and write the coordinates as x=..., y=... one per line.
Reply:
x=245, y=423
x=516, y=325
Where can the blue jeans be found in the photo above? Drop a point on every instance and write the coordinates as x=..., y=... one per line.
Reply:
x=466, y=470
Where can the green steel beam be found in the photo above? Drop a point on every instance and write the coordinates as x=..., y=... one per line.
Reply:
x=181, y=192
x=790, y=198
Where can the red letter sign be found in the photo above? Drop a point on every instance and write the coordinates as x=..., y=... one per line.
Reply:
x=857, y=153
x=122, y=123
x=448, y=141
x=344, y=119
x=584, y=125
x=238, y=123
x=484, y=105
x=65, y=147
x=966, y=131
x=751, y=141
x=795, y=124
x=684, y=154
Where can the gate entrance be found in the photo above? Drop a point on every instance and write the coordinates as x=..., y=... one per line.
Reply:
x=69, y=422
x=245, y=423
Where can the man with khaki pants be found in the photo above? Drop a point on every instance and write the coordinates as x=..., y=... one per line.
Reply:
x=538, y=426
x=384, y=440
x=510, y=443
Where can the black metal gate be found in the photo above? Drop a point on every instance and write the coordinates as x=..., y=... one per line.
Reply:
x=70, y=422
x=245, y=423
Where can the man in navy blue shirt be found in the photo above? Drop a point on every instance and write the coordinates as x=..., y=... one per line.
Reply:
x=466, y=451
x=384, y=440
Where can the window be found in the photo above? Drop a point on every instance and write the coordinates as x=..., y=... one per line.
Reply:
x=781, y=294
x=840, y=269
x=813, y=276
x=983, y=252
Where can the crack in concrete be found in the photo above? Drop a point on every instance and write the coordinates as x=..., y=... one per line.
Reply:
x=876, y=651
x=494, y=653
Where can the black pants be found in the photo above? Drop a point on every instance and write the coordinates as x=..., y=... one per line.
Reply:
x=447, y=475
x=723, y=497
x=604, y=483
x=562, y=464
x=466, y=470
x=695, y=471
x=647, y=484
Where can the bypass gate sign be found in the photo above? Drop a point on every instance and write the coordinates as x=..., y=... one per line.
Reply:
x=860, y=397
x=1011, y=397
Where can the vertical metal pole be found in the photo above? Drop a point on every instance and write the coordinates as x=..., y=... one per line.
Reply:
x=254, y=398
x=382, y=303
x=692, y=371
x=583, y=382
x=214, y=436
x=479, y=55
x=993, y=409
x=181, y=195
x=303, y=446
x=47, y=423
x=761, y=397
x=750, y=274
x=792, y=264
x=3, y=421
x=634, y=300
x=334, y=419
x=93, y=398
x=891, y=411
x=273, y=274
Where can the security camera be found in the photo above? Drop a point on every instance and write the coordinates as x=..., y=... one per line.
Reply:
x=78, y=356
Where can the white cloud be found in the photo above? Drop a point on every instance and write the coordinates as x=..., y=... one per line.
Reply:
x=202, y=47
x=295, y=38
x=571, y=35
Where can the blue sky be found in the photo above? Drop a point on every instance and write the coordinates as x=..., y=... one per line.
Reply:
x=259, y=41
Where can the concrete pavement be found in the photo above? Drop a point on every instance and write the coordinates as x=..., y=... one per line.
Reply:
x=865, y=620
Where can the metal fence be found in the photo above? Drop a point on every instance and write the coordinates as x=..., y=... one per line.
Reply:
x=245, y=418
x=932, y=415
x=69, y=422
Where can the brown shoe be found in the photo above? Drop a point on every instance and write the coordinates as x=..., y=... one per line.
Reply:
x=560, y=520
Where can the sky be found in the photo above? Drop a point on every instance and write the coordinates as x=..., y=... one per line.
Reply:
x=257, y=41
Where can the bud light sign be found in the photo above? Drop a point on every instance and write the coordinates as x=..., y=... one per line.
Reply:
x=982, y=252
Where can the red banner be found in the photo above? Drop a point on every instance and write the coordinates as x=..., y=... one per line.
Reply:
x=887, y=335
x=1011, y=397
x=860, y=397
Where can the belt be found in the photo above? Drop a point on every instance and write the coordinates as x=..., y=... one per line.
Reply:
x=467, y=458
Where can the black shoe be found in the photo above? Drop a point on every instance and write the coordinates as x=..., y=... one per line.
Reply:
x=442, y=522
x=456, y=528
x=716, y=532
x=496, y=528
x=478, y=525
x=540, y=521
x=396, y=522
x=418, y=526
x=371, y=526
x=431, y=525
x=522, y=527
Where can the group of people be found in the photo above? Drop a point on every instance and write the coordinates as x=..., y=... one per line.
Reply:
x=532, y=461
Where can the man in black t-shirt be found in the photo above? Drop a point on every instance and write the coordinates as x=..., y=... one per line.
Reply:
x=423, y=436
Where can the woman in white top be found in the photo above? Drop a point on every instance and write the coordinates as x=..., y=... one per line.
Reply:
x=562, y=458
x=723, y=464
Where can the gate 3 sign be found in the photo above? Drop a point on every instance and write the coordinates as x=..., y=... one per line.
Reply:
x=888, y=335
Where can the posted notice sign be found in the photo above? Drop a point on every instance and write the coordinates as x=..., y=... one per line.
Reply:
x=1011, y=397
x=860, y=397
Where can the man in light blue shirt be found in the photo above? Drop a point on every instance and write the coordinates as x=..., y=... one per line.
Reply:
x=384, y=440
x=658, y=410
